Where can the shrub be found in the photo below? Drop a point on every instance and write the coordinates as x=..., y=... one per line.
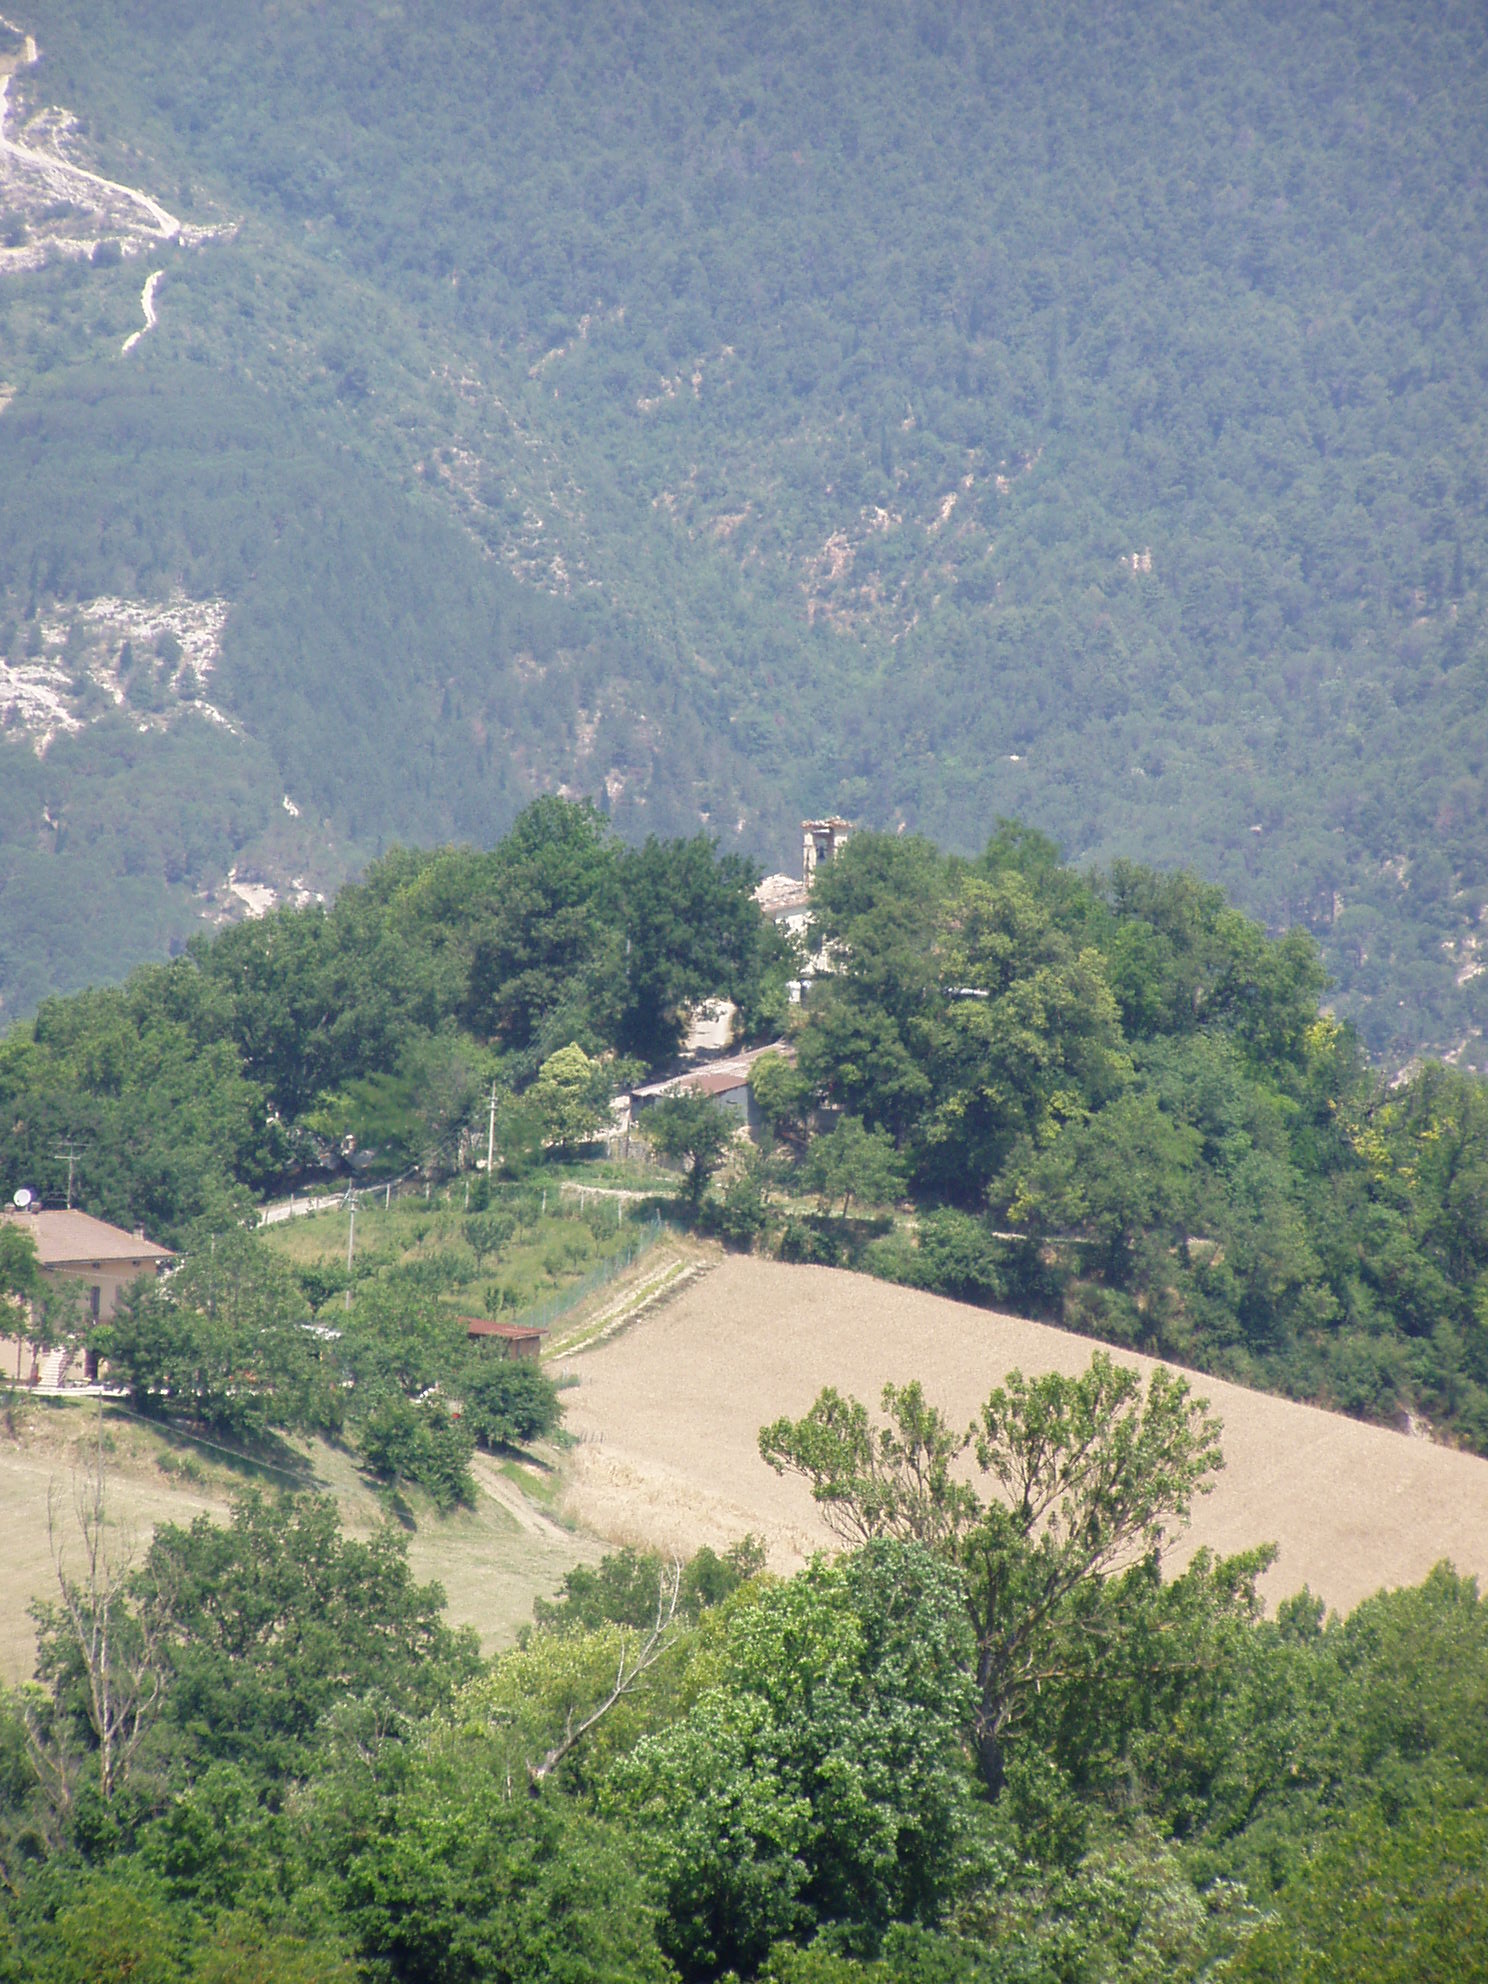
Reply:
x=421, y=1445
x=506, y=1402
x=803, y=1241
x=741, y=1214
x=959, y=1257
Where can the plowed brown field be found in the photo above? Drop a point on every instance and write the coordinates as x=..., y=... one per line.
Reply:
x=667, y=1416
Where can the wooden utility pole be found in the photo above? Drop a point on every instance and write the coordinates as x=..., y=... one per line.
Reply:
x=68, y=1149
x=350, y=1251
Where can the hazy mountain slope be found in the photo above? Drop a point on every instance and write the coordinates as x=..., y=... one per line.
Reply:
x=931, y=413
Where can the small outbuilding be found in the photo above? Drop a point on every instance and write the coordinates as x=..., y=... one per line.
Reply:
x=510, y=1339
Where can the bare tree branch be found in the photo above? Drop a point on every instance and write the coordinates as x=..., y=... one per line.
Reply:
x=633, y=1664
x=120, y=1649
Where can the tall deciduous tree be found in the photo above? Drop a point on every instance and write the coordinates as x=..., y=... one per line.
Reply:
x=1090, y=1475
x=695, y=1130
x=692, y=932
x=571, y=1094
x=782, y=1094
x=850, y=1163
x=223, y=1342
x=100, y=1656
x=822, y=1777
x=546, y=952
x=276, y=1617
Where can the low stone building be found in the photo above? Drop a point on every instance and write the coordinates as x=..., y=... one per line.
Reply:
x=726, y=1082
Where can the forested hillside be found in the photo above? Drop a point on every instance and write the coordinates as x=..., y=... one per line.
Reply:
x=931, y=413
x=240, y=1066
x=1117, y=1104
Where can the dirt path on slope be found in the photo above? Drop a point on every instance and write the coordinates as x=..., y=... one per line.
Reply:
x=147, y=304
x=38, y=178
x=61, y=177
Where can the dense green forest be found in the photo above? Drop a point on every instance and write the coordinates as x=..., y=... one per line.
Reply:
x=1110, y=1097
x=942, y=412
x=988, y=1742
x=241, y=1065
x=1128, y=1113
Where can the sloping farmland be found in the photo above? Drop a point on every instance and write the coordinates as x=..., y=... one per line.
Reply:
x=667, y=1416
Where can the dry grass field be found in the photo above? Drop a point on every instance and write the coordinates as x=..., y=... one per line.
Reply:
x=667, y=1416
x=492, y=1560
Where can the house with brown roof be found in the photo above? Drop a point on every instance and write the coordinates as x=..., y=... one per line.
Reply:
x=724, y=1082
x=76, y=1251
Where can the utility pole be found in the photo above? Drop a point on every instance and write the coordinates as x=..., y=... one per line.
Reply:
x=491, y=1133
x=350, y=1251
x=68, y=1149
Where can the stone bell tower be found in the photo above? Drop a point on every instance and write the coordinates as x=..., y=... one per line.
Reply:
x=822, y=840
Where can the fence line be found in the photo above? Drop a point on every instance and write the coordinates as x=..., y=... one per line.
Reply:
x=413, y=1186
x=542, y=1315
x=339, y=1201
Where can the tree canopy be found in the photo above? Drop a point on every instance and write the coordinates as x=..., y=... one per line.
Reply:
x=1116, y=1102
x=1090, y=1474
x=260, y=1753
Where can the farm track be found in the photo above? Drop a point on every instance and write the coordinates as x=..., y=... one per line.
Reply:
x=658, y=1280
x=667, y=1414
x=492, y=1560
x=147, y=304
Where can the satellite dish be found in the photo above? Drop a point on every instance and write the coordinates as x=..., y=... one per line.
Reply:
x=24, y=1197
